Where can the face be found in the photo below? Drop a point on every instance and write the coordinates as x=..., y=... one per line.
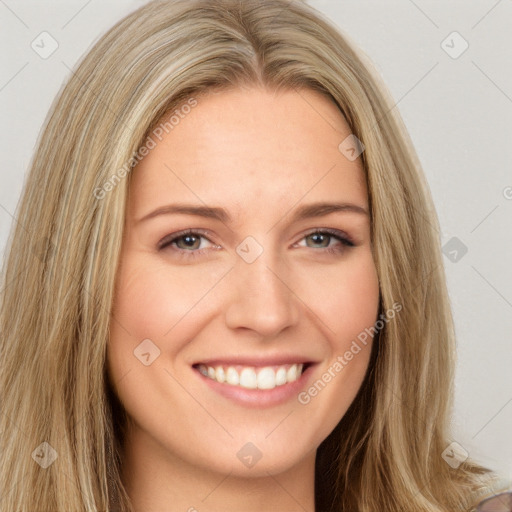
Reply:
x=246, y=274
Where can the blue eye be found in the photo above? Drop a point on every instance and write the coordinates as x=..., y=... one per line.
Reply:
x=326, y=236
x=188, y=243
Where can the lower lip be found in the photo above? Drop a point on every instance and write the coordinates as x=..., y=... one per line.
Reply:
x=259, y=397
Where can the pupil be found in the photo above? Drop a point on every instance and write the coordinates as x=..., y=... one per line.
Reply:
x=189, y=240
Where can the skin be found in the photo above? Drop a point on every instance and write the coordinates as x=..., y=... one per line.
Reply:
x=260, y=155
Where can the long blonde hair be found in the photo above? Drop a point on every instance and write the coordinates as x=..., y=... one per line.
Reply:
x=385, y=454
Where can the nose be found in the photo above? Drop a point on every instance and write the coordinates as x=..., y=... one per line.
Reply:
x=261, y=297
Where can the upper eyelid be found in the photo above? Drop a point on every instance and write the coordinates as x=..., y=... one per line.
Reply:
x=339, y=233
x=168, y=239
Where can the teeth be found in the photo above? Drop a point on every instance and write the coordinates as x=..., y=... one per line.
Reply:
x=232, y=377
x=291, y=374
x=249, y=377
x=219, y=374
x=266, y=378
x=281, y=376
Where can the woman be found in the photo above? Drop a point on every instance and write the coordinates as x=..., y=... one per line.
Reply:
x=301, y=356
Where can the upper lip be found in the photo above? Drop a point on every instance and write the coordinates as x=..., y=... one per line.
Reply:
x=255, y=361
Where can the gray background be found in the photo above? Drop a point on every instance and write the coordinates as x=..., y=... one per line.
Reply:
x=458, y=112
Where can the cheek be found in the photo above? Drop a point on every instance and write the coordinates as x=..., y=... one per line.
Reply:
x=157, y=302
x=345, y=298
x=358, y=298
x=152, y=298
x=348, y=309
x=140, y=312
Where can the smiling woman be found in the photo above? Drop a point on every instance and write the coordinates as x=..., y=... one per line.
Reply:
x=246, y=332
x=253, y=283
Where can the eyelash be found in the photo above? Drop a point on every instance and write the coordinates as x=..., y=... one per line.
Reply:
x=334, y=233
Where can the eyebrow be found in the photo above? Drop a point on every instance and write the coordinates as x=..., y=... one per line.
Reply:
x=211, y=212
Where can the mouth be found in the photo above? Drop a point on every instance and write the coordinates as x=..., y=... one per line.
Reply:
x=253, y=377
x=254, y=382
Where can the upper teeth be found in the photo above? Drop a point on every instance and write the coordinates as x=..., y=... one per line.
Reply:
x=267, y=377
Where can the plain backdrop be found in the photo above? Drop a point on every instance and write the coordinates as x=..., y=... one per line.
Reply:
x=448, y=66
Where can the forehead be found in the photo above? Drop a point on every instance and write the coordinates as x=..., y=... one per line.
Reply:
x=248, y=148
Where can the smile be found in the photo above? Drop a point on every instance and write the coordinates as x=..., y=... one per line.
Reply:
x=250, y=377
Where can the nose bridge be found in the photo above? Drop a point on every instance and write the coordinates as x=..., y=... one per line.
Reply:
x=260, y=297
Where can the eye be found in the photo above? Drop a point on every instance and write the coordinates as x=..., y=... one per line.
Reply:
x=323, y=238
x=185, y=241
